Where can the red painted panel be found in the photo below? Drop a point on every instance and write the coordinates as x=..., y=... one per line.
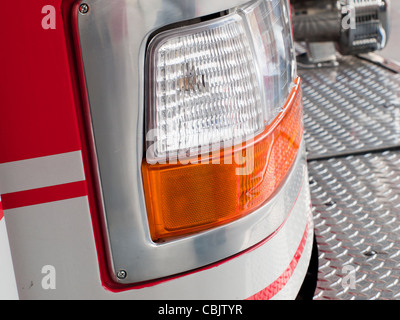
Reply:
x=42, y=100
x=37, y=110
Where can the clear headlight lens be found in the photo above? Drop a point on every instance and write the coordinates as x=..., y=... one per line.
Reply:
x=219, y=81
x=229, y=82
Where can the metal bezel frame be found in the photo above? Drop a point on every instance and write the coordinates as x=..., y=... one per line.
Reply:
x=113, y=61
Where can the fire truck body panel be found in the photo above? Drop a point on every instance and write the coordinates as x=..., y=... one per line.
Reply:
x=48, y=186
x=81, y=213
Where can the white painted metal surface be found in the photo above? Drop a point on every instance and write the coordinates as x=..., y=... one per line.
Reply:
x=8, y=288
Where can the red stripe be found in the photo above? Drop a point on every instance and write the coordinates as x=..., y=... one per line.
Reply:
x=44, y=195
x=1, y=211
x=279, y=283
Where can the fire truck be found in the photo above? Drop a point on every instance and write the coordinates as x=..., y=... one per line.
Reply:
x=180, y=149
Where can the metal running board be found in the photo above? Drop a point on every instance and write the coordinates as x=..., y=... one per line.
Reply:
x=352, y=125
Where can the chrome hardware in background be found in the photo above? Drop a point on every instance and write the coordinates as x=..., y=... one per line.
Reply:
x=355, y=26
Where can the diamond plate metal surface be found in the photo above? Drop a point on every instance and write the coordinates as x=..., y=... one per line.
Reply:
x=352, y=122
x=356, y=207
x=354, y=107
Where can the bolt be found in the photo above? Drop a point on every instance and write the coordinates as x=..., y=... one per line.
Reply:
x=83, y=8
x=330, y=203
x=370, y=253
x=121, y=274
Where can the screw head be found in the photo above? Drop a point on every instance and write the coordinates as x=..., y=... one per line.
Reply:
x=121, y=274
x=370, y=253
x=84, y=8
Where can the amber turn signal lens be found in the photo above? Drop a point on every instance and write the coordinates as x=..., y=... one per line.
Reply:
x=186, y=198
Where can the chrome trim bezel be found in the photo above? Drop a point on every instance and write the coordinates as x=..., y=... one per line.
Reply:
x=113, y=37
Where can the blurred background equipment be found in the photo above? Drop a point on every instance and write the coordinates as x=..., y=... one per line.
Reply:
x=351, y=27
